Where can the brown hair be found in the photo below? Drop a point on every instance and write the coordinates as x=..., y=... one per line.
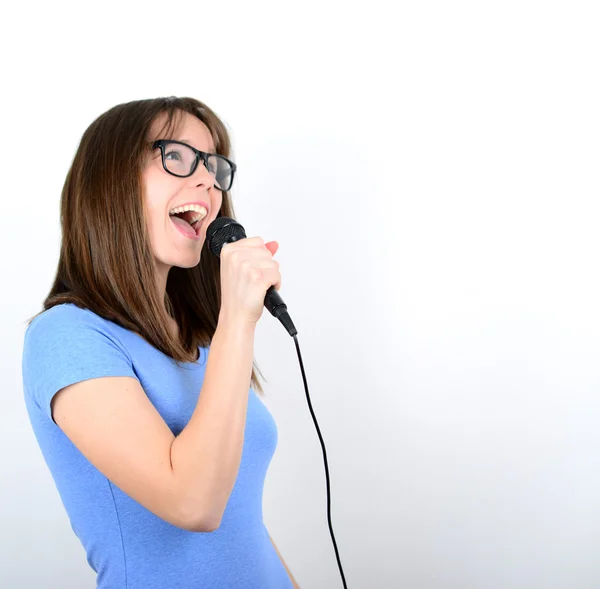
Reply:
x=106, y=262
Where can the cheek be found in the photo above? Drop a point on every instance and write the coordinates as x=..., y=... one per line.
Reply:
x=158, y=192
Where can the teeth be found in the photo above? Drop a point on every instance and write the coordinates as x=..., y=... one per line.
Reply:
x=202, y=212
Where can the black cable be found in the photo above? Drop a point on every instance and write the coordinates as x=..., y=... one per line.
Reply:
x=337, y=556
x=227, y=230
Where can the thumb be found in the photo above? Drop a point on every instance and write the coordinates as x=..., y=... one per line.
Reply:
x=272, y=246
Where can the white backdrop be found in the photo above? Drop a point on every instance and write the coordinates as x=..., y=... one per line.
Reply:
x=431, y=175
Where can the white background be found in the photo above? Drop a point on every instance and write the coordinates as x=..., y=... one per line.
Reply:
x=430, y=170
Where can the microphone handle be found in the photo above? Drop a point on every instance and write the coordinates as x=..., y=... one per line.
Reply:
x=274, y=303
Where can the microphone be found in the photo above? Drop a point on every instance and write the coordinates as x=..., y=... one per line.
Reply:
x=226, y=230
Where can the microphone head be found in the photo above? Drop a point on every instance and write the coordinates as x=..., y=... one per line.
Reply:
x=221, y=231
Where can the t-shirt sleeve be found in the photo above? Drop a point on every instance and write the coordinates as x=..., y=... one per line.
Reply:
x=66, y=345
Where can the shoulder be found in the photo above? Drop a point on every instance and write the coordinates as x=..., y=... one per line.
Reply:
x=61, y=317
x=67, y=331
x=67, y=344
x=68, y=321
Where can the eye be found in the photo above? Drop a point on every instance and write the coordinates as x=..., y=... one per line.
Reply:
x=173, y=155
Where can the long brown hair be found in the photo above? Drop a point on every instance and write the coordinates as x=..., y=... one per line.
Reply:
x=106, y=263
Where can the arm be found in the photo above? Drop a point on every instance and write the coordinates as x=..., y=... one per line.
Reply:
x=206, y=455
x=296, y=586
x=185, y=480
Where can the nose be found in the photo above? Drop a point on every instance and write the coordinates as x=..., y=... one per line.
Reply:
x=201, y=176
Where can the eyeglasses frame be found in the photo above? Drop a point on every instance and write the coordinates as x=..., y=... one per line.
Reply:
x=200, y=155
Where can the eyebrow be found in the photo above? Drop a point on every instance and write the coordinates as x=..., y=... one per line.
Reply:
x=190, y=143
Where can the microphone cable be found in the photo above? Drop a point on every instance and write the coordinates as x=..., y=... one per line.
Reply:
x=337, y=556
x=226, y=230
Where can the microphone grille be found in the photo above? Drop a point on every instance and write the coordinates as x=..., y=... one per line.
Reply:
x=221, y=231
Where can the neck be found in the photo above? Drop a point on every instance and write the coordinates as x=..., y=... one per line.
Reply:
x=162, y=273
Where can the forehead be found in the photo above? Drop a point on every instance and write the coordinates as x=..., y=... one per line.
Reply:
x=188, y=128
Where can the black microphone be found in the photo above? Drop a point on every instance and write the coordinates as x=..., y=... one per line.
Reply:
x=226, y=230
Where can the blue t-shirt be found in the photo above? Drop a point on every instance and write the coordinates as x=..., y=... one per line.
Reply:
x=127, y=545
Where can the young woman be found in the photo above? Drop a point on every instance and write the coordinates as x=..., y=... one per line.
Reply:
x=138, y=374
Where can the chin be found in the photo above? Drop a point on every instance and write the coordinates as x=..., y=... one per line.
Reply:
x=184, y=260
x=188, y=262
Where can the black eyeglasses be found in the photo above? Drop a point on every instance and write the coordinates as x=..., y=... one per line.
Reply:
x=181, y=159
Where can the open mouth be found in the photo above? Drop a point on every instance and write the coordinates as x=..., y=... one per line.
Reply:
x=188, y=219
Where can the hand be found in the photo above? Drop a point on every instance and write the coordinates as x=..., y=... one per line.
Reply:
x=247, y=271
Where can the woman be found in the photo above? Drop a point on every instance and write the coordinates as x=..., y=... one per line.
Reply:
x=137, y=373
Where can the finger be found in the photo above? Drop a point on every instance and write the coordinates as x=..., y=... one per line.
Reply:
x=277, y=284
x=249, y=242
x=272, y=246
x=257, y=240
x=243, y=244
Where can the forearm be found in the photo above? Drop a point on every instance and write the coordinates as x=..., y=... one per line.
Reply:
x=206, y=455
x=295, y=585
